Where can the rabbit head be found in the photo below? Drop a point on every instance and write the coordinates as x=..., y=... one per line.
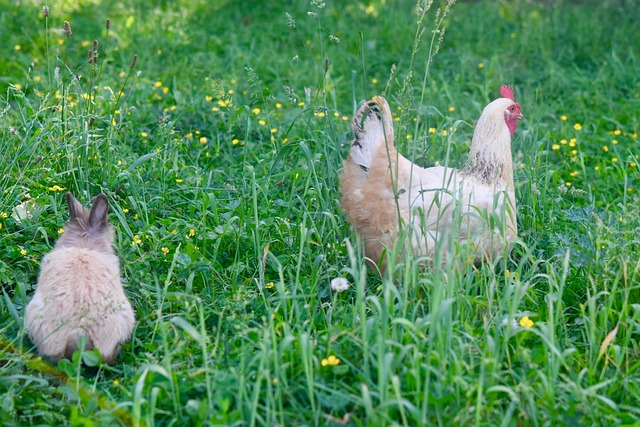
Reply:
x=88, y=228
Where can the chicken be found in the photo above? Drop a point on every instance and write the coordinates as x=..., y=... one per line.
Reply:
x=387, y=197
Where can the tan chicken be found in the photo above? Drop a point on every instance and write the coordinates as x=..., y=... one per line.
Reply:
x=385, y=195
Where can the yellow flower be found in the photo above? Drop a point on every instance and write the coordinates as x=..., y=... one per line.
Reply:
x=432, y=130
x=208, y=98
x=23, y=251
x=262, y=122
x=274, y=130
x=143, y=134
x=452, y=109
x=61, y=230
x=577, y=126
x=597, y=168
x=278, y=105
x=158, y=84
x=17, y=47
x=319, y=114
x=269, y=285
x=563, y=118
x=215, y=109
x=444, y=133
x=37, y=78
x=125, y=210
x=525, y=322
x=136, y=240
x=173, y=108
x=572, y=143
x=56, y=188
x=256, y=111
x=165, y=250
x=573, y=140
x=330, y=361
x=223, y=104
x=192, y=232
x=345, y=118
x=555, y=147
x=614, y=142
x=617, y=132
x=605, y=148
x=203, y=140
x=4, y=215
x=481, y=65
x=568, y=184
x=235, y=141
x=615, y=159
x=374, y=81
x=301, y=104
x=631, y=165
x=165, y=89
x=574, y=173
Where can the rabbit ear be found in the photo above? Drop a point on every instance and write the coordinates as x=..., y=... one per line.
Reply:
x=99, y=212
x=75, y=208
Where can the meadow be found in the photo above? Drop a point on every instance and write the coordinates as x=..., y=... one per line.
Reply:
x=219, y=148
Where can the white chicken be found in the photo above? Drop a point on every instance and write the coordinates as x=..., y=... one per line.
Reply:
x=384, y=194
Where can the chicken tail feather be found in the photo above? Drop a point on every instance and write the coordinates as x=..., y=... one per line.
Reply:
x=373, y=128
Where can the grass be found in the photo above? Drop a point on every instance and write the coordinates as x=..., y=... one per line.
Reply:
x=219, y=153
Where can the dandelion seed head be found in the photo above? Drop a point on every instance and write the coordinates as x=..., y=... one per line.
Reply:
x=339, y=284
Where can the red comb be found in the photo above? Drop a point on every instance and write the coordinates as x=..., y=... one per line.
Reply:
x=507, y=92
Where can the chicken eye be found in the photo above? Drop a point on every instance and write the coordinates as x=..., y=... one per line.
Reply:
x=512, y=108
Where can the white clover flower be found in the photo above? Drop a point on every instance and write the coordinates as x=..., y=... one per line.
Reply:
x=339, y=284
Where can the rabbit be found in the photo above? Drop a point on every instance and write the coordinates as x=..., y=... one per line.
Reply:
x=79, y=291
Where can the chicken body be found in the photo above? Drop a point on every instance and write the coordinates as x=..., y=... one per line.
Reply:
x=384, y=193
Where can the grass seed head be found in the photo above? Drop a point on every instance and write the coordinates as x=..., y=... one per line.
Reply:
x=67, y=29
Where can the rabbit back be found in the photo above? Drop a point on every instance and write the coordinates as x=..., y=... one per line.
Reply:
x=79, y=292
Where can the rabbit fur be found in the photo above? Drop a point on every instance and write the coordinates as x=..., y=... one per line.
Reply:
x=79, y=291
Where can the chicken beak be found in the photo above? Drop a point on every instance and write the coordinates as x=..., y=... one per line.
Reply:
x=519, y=116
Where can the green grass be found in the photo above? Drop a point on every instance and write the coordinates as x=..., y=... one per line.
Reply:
x=222, y=173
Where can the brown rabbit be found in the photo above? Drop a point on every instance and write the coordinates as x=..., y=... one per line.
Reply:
x=79, y=291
